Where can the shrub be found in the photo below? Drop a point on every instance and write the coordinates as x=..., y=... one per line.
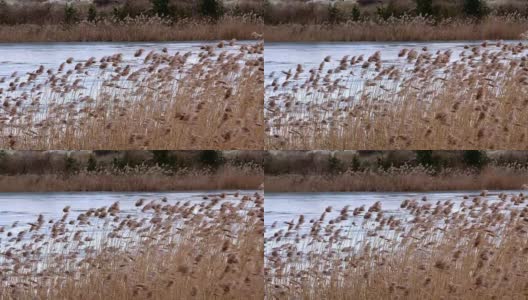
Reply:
x=335, y=166
x=70, y=165
x=161, y=8
x=355, y=165
x=92, y=164
x=366, y=2
x=119, y=13
x=102, y=2
x=474, y=8
x=4, y=12
x=92, y=14
x=70, y=14
x=333, y=14
x=164, y=159
x=425, y=158
x=475, y=158
x=121, y=163
x=355, y=14
x=424, y=7
x=392, y=9
x=211, y=9
x=211, y=158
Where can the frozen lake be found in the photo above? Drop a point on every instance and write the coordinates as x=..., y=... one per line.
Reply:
x=102, y=220
x=284, y=56
x=26, y=57
x=285, y=207
x=37, y=69
x=282, y=59
x=24, y=208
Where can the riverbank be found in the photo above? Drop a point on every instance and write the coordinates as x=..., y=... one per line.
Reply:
x=227, y=178
x=404, y=29
x=400, y=180
x=138, y=30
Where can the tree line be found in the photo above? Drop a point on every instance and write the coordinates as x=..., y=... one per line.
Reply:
x=212, y=9
x=68, y=162
x=336, y=162
x=170, y=10
x=337, y=12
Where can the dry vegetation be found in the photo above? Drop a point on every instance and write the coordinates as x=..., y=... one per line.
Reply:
x=140, y=178
x=509, y=27
x=157, y=100
x=184, y=250
x=395, y=20
x=135, y=29
x=128, y=20
x=476, y=249
x=425, y=100
x=403, y=178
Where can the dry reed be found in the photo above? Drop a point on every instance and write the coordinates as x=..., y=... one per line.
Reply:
x=210, y=99
x=424, y=100
x=160, y=250
x=471, y=248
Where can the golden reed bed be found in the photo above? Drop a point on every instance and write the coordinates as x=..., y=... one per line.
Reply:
x=209, y=99
x=476, y=249
x=427, y=100
x=159, y=250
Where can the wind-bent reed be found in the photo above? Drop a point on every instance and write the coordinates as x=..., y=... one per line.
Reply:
x=424, y=101
x=211, y=99
x=476, y=248
x=162, y=250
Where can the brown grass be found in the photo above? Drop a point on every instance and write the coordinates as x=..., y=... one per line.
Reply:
x=473, y=250
x=210, y=99
x=404, y=178
x=136, y=29
x=401, y=29
x=137, y=179
x=424, y=101
x=161, y=250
